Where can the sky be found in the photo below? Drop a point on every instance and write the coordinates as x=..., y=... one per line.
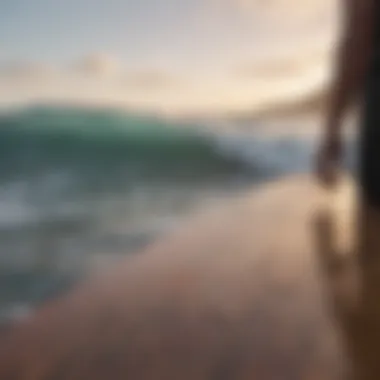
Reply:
x=165, y=55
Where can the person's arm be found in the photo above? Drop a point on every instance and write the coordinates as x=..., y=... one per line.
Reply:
x=351, y=61
x=351, y=67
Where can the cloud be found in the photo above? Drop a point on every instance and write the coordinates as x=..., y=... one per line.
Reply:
x=102, y=79
x=26, y=71
x=269, y=69
x=99, y=64
x=291, y=6
x=283, y=66
x=151, y=80
x=278, y=15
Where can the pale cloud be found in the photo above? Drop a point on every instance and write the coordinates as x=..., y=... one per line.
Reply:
x=270, y=70
x=151, y=80
x=96, y=81
x=276, y=27
x=157, y=90
x=99, y=64
x=284, y=66
x=275, y=6
x=26, y=71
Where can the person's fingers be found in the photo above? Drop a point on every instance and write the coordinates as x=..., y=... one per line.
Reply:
x=330, y=177
x=327, y=172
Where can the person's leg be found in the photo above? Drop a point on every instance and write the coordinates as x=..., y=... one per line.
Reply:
x=369, y=173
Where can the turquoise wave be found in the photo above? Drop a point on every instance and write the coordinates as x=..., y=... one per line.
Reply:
x=93, y=140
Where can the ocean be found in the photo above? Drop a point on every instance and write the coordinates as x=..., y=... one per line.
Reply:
x=82, y=188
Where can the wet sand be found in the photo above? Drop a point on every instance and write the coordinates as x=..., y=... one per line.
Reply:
x=266, y=288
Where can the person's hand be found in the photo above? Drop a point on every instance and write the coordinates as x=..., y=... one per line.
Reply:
x=328, y=161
